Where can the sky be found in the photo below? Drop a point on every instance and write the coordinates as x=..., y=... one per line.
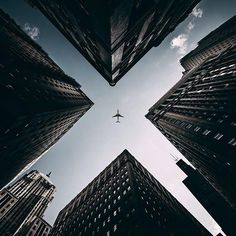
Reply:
x=96, y=140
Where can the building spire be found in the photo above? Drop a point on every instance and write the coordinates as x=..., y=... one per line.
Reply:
x=174, y=157
x=48, y=175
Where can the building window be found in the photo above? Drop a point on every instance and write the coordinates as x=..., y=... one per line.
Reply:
x=206, y=132
x=197, y=128
x=218, y=136
x=188, y=126
x=2, y=211
x=232, y=142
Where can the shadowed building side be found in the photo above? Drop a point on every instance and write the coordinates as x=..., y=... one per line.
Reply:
x=114, y=35
x=198, y=116
x=210, y=199
x=39, y=103
x=125, y=199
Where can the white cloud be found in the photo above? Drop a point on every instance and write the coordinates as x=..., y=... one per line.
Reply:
x=180, y=43
x=197, y=12
x=32, y=31
x=190, y=26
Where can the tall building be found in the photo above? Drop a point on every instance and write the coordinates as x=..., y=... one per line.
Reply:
x=213, y=44
x=198, y=116
x=115, y=35
x=125, y=199
x=23, y=201
x=37, y=226
x=38, y=102
x=211, y=200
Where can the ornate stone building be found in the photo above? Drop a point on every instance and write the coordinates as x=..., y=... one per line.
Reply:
x=23, y=201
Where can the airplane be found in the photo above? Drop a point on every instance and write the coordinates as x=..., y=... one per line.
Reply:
x=118, y=115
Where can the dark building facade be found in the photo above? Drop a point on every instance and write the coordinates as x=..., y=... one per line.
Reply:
x=211, y=200
x=125, y=199
x=213, y=44
x=24, y=200
x=37, y=226
x=114, y=35
x=38, y=102
x=198, y=116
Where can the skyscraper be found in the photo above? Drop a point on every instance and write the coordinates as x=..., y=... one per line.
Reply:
x=38, y=102
x=211, y=200
x=198, y=116
x=24, y=200
x=125, y=199
x=115, y=35
x=213, y=44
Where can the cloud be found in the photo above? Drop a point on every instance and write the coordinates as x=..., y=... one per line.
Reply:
x=197, y=12
x=190, y=26
x=32, y=31
x=180, y=43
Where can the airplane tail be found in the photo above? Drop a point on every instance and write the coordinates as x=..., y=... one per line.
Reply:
x=117, y=121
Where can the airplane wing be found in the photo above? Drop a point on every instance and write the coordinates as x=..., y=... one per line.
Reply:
x=115, y=116
x=121, y=116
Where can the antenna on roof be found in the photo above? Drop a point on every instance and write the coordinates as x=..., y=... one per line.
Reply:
x=48, y=175
x=174, y=157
